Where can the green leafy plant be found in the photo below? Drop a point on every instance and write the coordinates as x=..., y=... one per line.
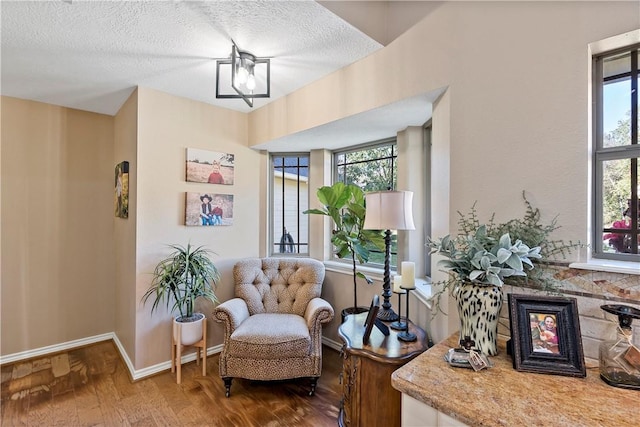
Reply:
x=484, y=254
x=484, y=260
x=344, y=204
x=182, y=277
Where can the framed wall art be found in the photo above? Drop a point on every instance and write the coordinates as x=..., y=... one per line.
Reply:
x=209, y=167
x=121, y=192
x=209, y=209
x=545, y=335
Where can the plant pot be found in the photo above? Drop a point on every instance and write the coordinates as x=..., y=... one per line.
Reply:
x=188, y=332
x=479, y=311
x=352, y=310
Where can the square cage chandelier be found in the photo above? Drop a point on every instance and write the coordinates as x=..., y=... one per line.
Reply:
x=243, y=76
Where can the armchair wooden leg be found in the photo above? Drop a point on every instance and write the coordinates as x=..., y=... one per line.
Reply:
x=314, y=382
x=227, y=386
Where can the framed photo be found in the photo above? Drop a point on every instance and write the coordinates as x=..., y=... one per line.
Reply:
x=121, y=191
x=371, y=318
x=545, y=335
x=208, y=209
x=210, y=167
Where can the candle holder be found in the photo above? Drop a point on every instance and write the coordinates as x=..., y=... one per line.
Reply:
x=406, y=335
x=399, y=325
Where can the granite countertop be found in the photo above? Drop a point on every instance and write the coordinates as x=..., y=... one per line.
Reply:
x=502, y=396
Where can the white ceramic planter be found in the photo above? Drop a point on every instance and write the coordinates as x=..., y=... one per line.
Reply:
x=188, y=333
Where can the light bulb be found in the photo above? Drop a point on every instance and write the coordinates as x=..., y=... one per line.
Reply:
x=251, y=82
x=242, y=75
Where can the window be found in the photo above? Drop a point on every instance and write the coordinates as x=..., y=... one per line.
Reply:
x=372, y=168
x=616, y=153
x=289, y=231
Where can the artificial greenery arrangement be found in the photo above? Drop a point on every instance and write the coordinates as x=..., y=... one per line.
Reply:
x=186, y=274
x=344, y=204
x=484, y=254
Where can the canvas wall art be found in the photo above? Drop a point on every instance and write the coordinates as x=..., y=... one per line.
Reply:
x=121, y=193
x=209, y=167
x=209, y=209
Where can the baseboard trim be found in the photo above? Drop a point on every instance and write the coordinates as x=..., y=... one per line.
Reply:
x=136, y=374
x=55, y=348
x=331, y=343
x=165, y=366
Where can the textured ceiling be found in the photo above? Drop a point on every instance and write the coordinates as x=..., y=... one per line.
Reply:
x=90, y=55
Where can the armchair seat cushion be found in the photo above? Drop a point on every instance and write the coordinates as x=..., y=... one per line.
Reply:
x=271, y=336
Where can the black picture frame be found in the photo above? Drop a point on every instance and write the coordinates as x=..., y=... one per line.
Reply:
x=371, y=317
x=539, y=348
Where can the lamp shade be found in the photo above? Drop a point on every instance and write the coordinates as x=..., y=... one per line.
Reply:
x=389, y=210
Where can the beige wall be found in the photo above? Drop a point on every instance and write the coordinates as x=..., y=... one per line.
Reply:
x=167, y=125
x=514, y=115
x=125, y=149
x=57, y=225
x=517, y=79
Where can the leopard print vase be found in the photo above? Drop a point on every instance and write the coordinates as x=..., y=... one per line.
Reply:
x=479, y=311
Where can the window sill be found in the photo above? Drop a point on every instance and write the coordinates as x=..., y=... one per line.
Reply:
x=423, y=285
x=608, y=265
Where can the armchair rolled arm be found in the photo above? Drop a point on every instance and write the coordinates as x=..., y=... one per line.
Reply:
x=232, y=313
x=318, y=311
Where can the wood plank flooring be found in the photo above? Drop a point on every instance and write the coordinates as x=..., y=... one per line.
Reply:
x=90, y=386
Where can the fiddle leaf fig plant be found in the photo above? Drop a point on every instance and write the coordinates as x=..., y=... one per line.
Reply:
x=345, y=205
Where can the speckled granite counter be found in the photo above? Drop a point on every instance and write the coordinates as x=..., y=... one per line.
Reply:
x=502, y=396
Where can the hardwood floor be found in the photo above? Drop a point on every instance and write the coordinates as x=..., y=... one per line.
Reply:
x=90, y=386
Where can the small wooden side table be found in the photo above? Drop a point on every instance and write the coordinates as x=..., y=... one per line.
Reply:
x=368, y=399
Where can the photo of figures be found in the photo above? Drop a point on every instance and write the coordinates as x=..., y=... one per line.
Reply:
x=544, y=333
x=121, y=193
x=206, y=209
x=209, y=167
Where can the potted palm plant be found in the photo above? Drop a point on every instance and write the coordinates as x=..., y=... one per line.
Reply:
x=344, y=204
x=178, y=280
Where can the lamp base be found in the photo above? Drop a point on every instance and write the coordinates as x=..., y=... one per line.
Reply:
x=387, y=315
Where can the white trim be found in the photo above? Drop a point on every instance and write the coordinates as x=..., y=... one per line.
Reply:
x=124, y=355
x=331, y=343
x=608, y=265
x=135, y=374
x=164, y=366
x=375, y=273
x=55, y=348
x=423, y=292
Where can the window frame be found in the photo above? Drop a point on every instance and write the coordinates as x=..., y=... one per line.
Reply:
x=272, y=191
x=391, y=141
x=602, y=154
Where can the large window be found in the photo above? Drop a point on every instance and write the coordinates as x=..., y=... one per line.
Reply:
x=289, y=231
x=616, y=154
x=372, y=168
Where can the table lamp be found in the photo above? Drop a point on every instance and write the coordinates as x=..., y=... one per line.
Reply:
x=388, y=210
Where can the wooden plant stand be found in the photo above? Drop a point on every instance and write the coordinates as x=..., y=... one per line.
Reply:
x=177, y=349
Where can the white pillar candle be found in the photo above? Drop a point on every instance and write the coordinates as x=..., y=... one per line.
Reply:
x=397, y=282
x=408, y=275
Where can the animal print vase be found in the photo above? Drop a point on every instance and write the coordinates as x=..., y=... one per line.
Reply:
x=479, y=311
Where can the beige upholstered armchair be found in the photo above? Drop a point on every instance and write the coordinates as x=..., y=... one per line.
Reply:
x=273, y=328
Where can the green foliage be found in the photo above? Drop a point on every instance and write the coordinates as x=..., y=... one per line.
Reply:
x=371, y=169
x=474, y=255
x=616, y=174
x=344, y=204
x=484, y=260
x=186, y=274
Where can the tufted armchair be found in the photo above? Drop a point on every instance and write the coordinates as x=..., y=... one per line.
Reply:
x=273, y=328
